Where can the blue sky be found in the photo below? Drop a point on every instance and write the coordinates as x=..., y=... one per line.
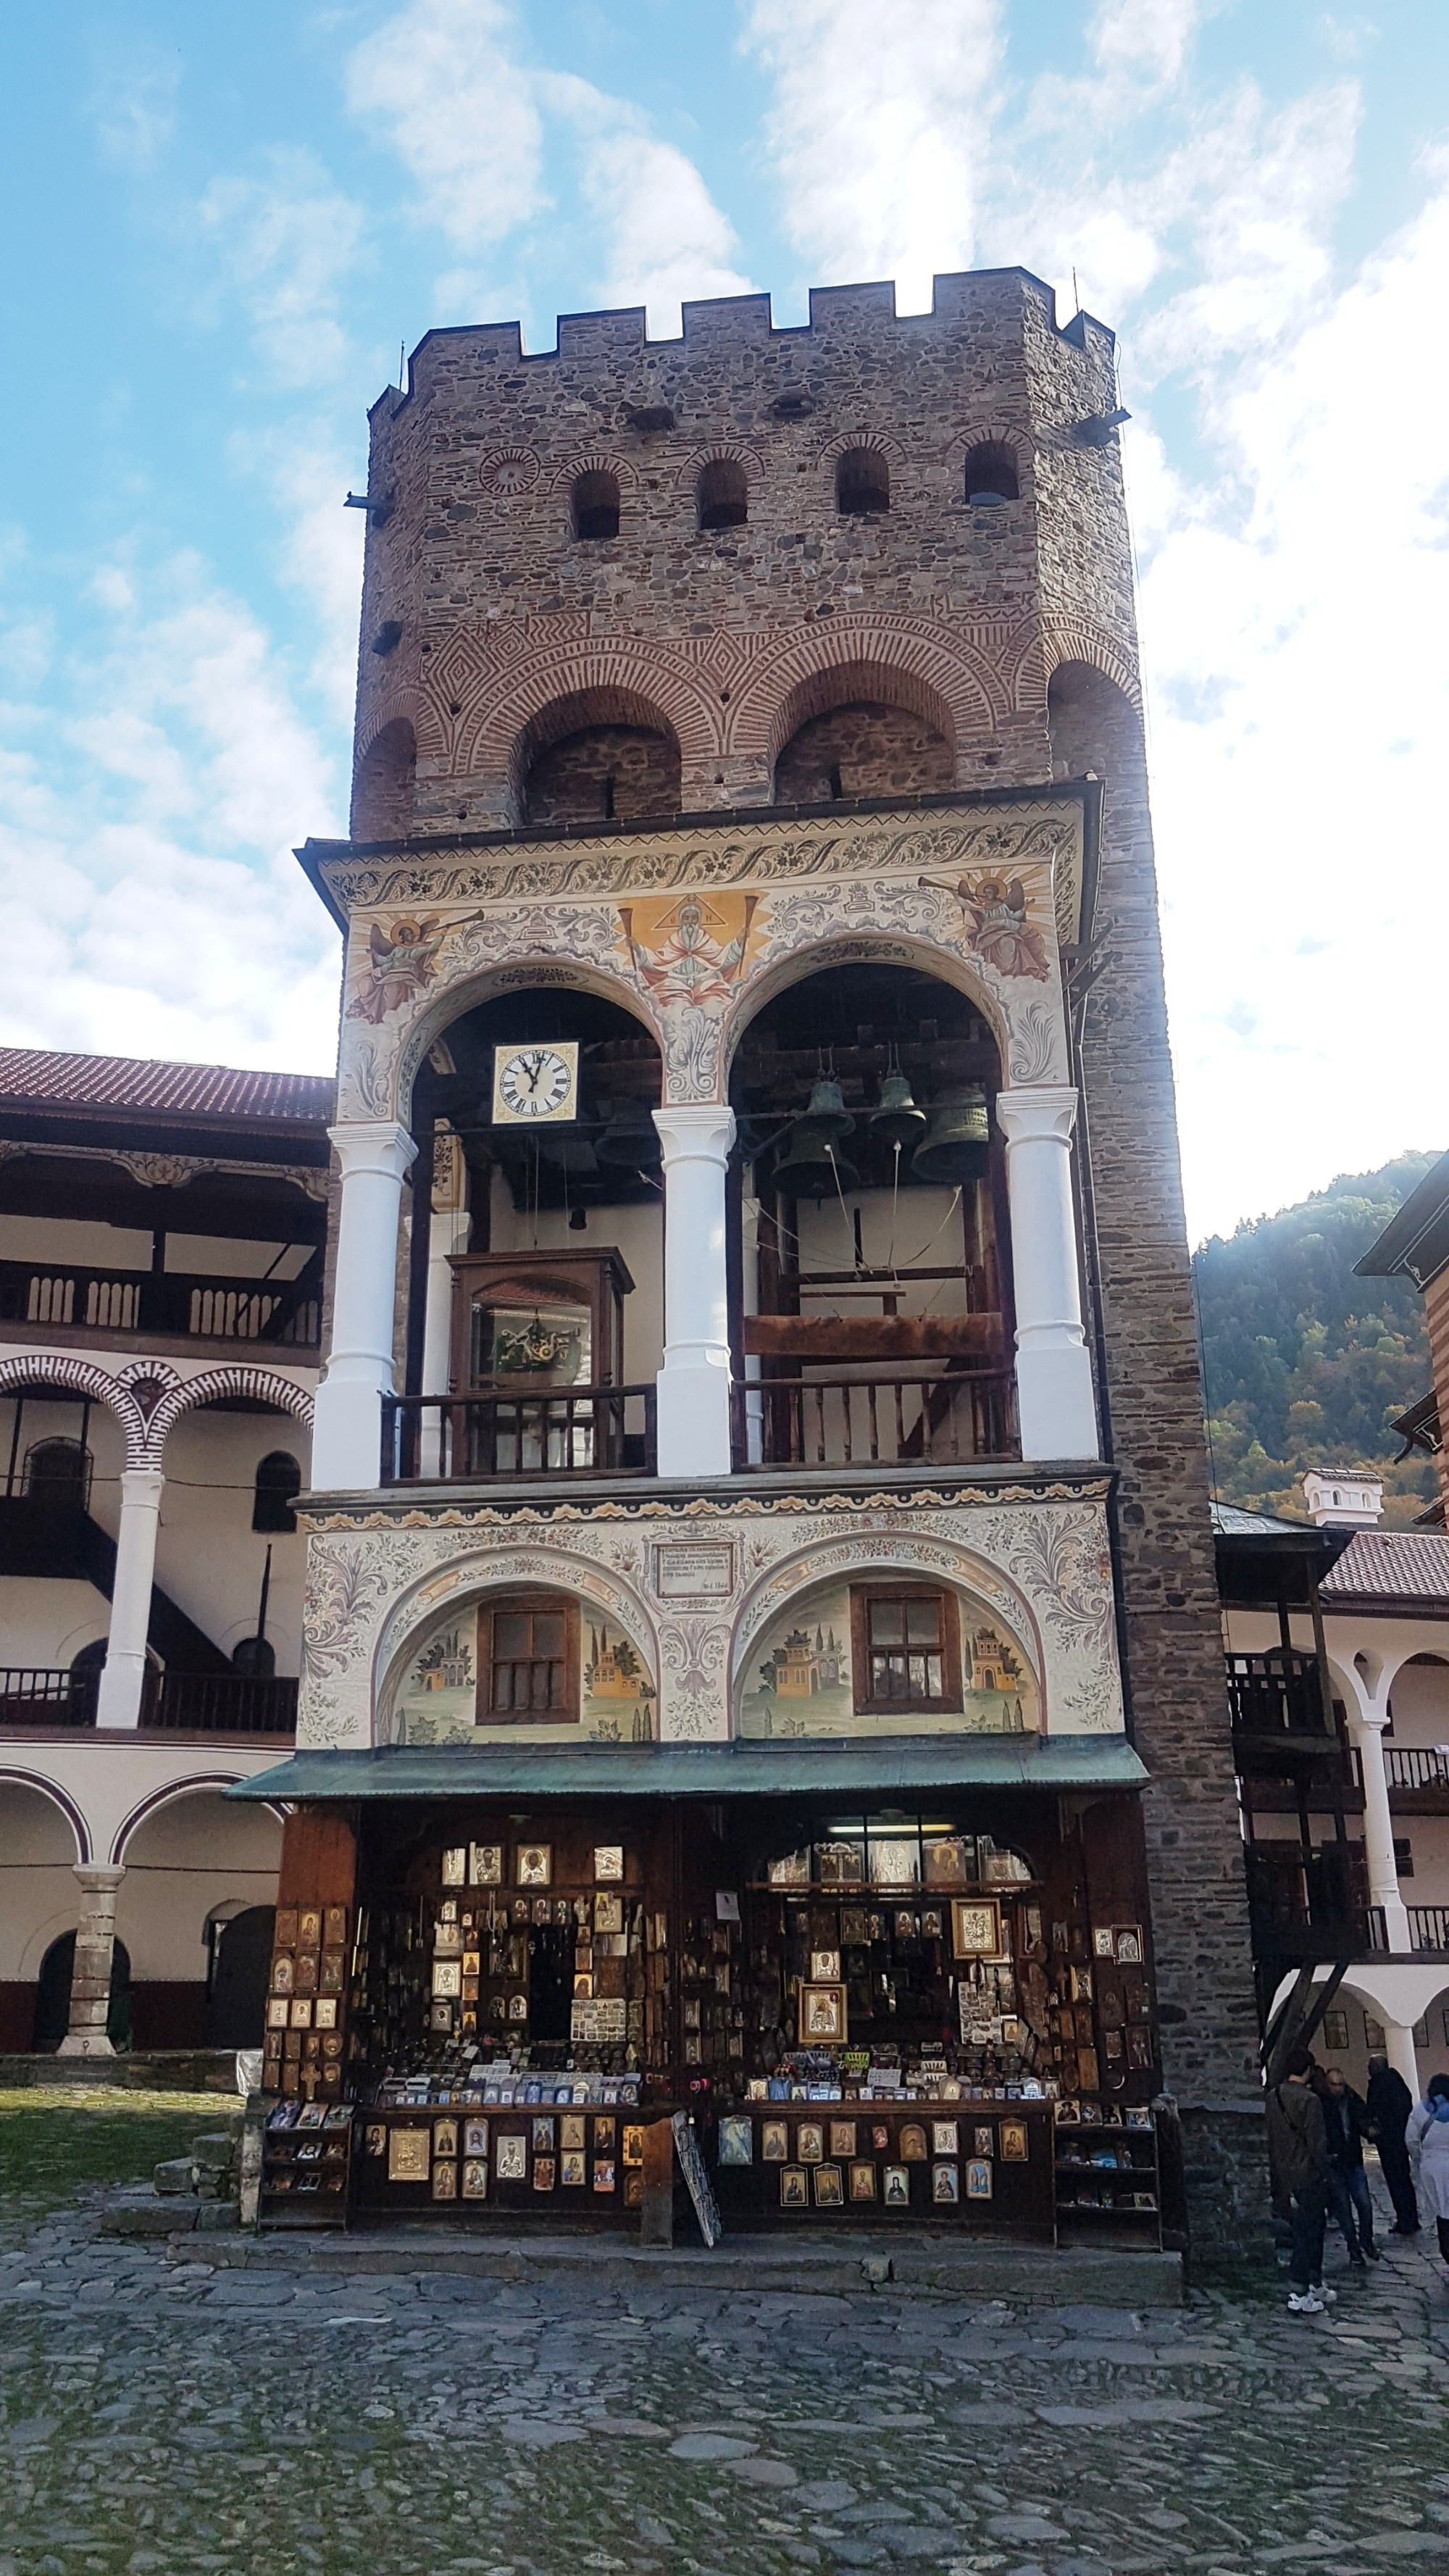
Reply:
x=222, y=223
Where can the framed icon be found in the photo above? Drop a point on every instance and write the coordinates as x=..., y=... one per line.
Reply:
x=822, y=2015
x=409, y=2155
x=862, y=2182
x=510, y=2159
x=774, y=2142
x=828, y=2191
x=896, y=2187
x=809, y=2142
x=448, y=1978
x=911, y=2145
x=1015, y=2142
x=842, y=2140
x=572, y=2171
x=794, y=2187
x=475, y=2178
x=1129, y=1945
x=535, y=1864
x=980, y=2181
x=975, y=1927
x=736, y=2142
x=608, y=1864
x=485, y=1864
x=824, y=1967
x=945, y=2137
x=945, y=2184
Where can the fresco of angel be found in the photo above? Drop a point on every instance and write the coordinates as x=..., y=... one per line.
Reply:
x=1000, y=932
x=402, y=962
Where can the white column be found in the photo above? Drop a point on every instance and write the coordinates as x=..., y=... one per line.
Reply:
x=1366, y=1735
x=123, y=1675
x=694, y=1383
x=347, y=1429
x=450, y=1230
x=1403, y=2057
x=1053, y=1371
x=90, y=1984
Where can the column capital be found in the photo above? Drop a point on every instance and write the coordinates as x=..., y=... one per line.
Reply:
x=1046, y=1109
x=98, y=1878
x=701, y=1130
x=378, y=1145
x=143, y=1484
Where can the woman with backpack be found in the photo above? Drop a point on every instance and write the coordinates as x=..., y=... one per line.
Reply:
x=1427, y=2139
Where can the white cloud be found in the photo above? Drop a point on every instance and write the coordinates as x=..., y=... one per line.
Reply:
x=1148, y=37
x=149, y=902
x=878, y=132
x=665, y=238
x=441, y=81
x=285, y=241
x=132, y=105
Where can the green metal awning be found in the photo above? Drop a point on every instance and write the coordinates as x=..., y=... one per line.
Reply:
x=736, y=1770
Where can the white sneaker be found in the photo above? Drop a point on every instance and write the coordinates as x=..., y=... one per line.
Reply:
x=1325, y=2298
x=1305, y=2303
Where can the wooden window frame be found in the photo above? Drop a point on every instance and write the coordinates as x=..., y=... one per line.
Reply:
x=529, y=1605
x=950, y=1704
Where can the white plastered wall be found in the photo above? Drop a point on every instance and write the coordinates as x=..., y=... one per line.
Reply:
x=182, y=1862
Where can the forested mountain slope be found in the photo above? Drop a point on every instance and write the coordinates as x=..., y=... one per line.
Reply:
x=1306, y=1365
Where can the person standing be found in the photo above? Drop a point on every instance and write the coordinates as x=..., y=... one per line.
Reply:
x=1299, y=2162
x=1388, y=2105
x=1348, y=2192
x=1428, y=2144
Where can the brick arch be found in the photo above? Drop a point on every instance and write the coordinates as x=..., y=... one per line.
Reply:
x=408, y=700
x=883, y=441
x=718, y=451
x=265, y=1386
x=832, y=666
x=594, y=460
x=570, y=687
x=1071, y=640
x=995, y=431
x=81, y=1378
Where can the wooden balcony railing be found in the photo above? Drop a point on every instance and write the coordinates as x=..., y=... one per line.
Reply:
x=182, y=1305
x=1278, y=1694
x=1429, y=1927
x=1416, y=1766
x=506, y=1431
x=194, y=1703
x=924, y=1418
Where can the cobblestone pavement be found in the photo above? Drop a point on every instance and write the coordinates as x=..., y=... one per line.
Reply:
x=163, y=2415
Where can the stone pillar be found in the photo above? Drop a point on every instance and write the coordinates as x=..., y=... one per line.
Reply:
x=347, y=1430
x=1053, y=1371
x=90, y=1984
x=123, y=1675
x=694, y=1383
x=1366, y=1735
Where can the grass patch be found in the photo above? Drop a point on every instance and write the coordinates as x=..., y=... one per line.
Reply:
x=55, y=2142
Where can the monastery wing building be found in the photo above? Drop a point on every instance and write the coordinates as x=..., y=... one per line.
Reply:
x=761, y=1648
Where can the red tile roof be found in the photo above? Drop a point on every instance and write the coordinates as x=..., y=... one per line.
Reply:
x=1411, y=1566
x=35, y=1077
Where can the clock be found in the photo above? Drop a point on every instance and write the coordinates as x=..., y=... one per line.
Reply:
x=536, y=1085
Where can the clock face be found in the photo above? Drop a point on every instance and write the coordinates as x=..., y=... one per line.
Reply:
x=532, y=1083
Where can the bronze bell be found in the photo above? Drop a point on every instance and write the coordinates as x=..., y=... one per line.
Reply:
x=630, y=1142
x=809, y=1167
x=897, y=1121
x=826, y=1109
x=957, y=1143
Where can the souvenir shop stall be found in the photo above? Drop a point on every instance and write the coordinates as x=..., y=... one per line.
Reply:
x=935, y=2010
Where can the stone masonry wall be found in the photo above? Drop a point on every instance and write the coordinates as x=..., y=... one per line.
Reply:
x=873, y=751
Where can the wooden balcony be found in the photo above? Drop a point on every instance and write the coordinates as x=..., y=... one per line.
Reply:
x=35, y=1698
x=941, y=1417
x=504, y=1433
x=55, y=1298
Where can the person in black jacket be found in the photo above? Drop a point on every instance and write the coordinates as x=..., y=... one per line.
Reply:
x=1388, y=2106
x=1344, y=2118
x=1299, y=2164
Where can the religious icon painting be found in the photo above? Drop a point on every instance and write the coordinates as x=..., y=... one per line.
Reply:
x=905, y=1925
x=980, y=2182
x=604, y=2175
x=284, y=1929
x=854, y=1927
x=880, y=2137
x=608, y=1864
x=984, y=2140
x=1139, y=2050
x=485, y=1864
x=896, y=2187
x=605, y=2134
x=276, y=2012
x=454, y=1870
x=572, y=2133
x=535, y=1864
x=809, y=2142
x=736, y=2142
x=608, y=1914
x=950, y=1862
x=1081, y=1985
x=445, y=2137
x=633, y=2144
x=842, y=2140
x=374, y=2138
x=510, y=2159
x=475, y=2137
x=475, y=2178
x=945, y=2138
x=324, y=2012
x=794, y=2187
x=912, y=2144
x=945, y=2184
x=1015, y=2142
x=334, y=1926
x=445, y=2182
x=822, y=2015
x=542, y=2137
x=309, y=1927
x=307, y=1971
x=409, y=2155
x=301, y=2013
x=824, y=1967
x=976, y=1928
x=518, y=2007
x=447, y=1978
x=1104, y=1943
x=774, y=2142
x=1129, y=1945
x=862, y=2182
x=572, y=2171
x=543, y=2173
x=828, y=2191
x=931, y=1923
